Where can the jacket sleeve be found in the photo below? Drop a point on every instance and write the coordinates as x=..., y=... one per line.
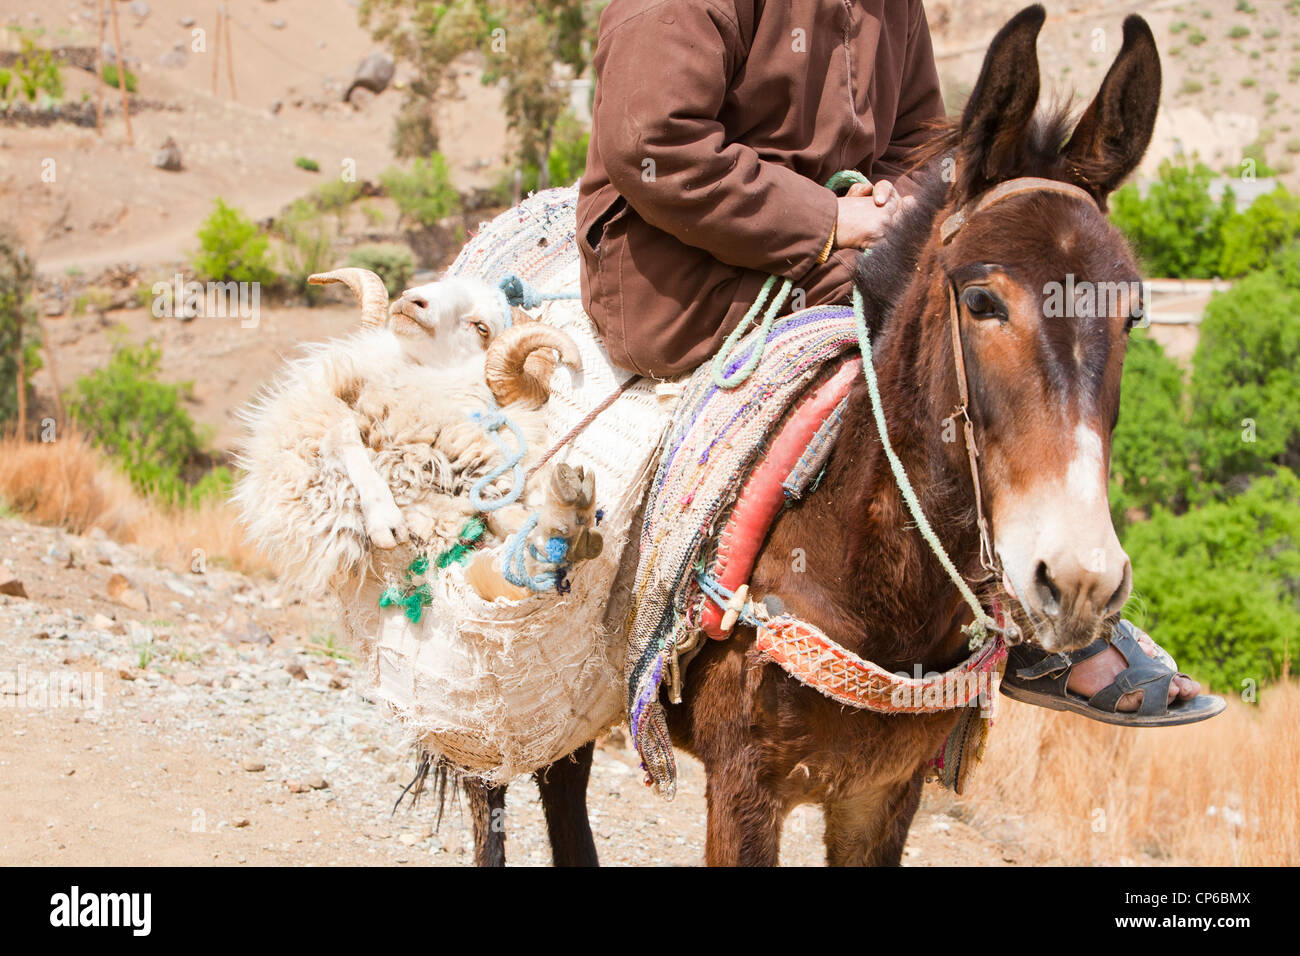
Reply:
x=663, y=76
x=920, y=104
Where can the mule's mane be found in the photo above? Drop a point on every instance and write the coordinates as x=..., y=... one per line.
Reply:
x=884, y=273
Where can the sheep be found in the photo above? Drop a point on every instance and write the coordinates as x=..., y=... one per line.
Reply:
x=368, y=441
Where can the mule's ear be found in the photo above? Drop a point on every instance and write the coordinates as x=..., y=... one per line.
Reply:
x=1115, y=130
x=998, y=113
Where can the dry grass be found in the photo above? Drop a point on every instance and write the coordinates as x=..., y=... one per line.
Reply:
x=69, y=484
x=1070, y=790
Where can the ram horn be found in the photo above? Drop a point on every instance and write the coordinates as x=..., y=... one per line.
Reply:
x=366, y=286
x=510, y=374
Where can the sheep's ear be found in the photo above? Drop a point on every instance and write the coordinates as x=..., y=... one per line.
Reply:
x=1114, y=132
x=1001, y=106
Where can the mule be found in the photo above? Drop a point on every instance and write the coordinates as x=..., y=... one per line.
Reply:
x=1043, y=399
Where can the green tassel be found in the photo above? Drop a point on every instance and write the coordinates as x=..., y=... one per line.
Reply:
x=414, y=599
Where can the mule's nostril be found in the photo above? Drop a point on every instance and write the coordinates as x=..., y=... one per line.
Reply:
x=418, y=301
x=1118, y=599
x=1048, y=594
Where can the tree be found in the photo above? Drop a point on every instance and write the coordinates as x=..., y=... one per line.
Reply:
x=19, y=350
x=532, y=46
x=1177, y=229
x=1245, y=394
x=1150, y=453
x=1219, y=586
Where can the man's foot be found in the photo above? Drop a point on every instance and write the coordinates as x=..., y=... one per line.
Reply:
x=1096, y=673
x=1127, y=679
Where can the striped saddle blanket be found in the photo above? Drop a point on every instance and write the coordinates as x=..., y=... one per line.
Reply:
x=716, y=438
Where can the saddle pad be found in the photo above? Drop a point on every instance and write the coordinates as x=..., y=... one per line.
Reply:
x=716, y=437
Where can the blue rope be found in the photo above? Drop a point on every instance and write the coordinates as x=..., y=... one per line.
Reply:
x=518, y=547
x=492, y=422
x=519, y=292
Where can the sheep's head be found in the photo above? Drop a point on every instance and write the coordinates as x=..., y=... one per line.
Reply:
x=461, y=315
x=457, y=320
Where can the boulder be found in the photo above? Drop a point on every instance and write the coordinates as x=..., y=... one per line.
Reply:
x=374, y=73
x=168, y=156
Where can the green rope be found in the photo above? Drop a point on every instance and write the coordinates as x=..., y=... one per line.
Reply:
x=845, y=177
x=414, y=598
x=723, y=358
x=979, y=630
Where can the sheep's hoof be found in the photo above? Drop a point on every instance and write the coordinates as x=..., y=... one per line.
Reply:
x=385, y=526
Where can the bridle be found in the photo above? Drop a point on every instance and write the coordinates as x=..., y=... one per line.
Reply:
x=947, y=230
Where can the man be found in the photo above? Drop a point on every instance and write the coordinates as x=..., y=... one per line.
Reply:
x=715, y=125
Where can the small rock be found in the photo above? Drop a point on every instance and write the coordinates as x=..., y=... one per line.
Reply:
x=187, y=679
x=125, y=674
x=122, y=591
x=336, y=684
x=10, y=585
x=318, y=783
x=276, y=106
x=297, y=786
x=168, y=156
x=101, y=622
x=186, y=22
x=240, y=823
x=140, y=9
x=408, y=839
x=278, y=23
x=177, y=587
x=252, y=765
x=296, y=670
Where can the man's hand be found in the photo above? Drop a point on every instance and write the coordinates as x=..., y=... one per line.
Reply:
x=866, y=213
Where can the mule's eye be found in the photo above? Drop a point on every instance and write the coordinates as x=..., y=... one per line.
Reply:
x=981, y=304
x=483, y=330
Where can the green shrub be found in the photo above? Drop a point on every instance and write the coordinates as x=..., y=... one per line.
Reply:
x=1238, y=32
x=1219, y=587
x=232, y=249
x=1150, y=455
x=110, y=77
x=1245, y=394
x=424, y=192
x=34, y=71
x=307, y=248
x=1177, y=230
x=303, y=162
x=140, y=422
x=1253, y=237
x=394, y=264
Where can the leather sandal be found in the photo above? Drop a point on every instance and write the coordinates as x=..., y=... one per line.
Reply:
x=1034, y=676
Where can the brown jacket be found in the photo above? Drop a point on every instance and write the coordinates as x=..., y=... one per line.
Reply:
x=715, y=124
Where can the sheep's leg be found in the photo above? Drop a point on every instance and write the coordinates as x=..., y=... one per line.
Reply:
x=384, y=523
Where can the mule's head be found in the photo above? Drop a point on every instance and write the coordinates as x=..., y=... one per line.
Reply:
x=1046, y=291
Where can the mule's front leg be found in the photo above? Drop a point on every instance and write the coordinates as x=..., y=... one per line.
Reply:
x=744, y=823
x=869, y=827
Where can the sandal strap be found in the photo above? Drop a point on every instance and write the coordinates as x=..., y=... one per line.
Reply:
x=1054, y=664
x=1143, y=673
